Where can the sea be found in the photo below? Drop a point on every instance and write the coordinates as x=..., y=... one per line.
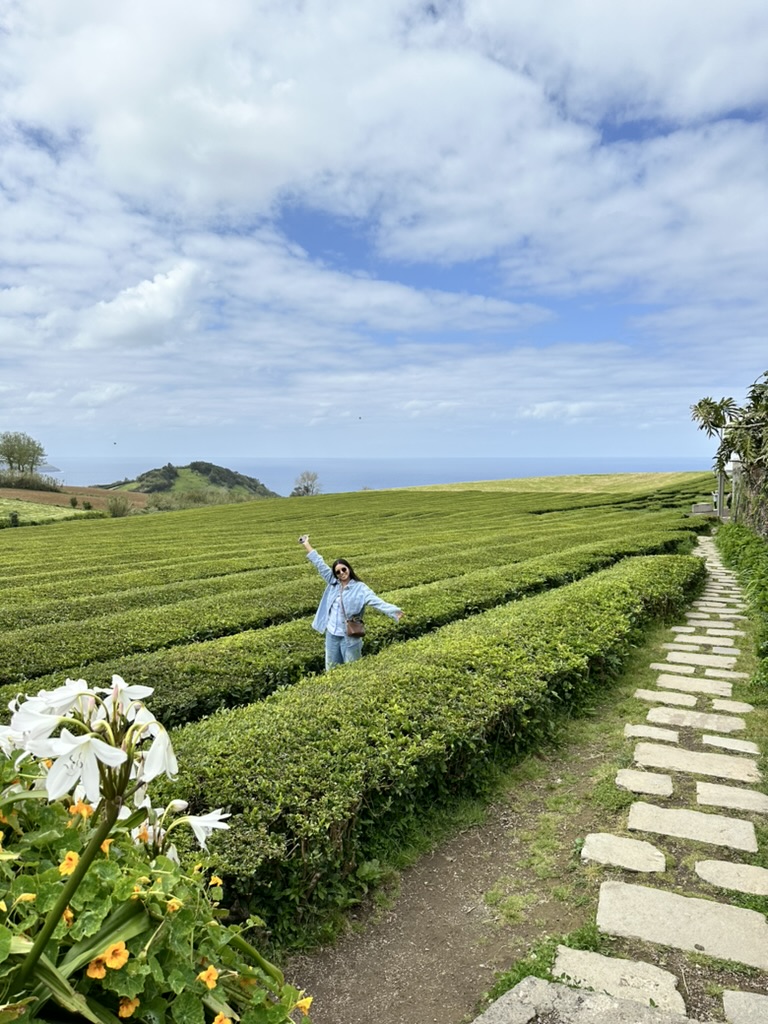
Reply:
x=354, y=474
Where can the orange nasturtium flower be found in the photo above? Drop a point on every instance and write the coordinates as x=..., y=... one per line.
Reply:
x=208, y=976
x=221, y=1019
x=173, y=905
x=106, y=845
x=116, y=956
x=82, y=808
x=127, y=1007
x=304, y=1004
x=69, y=863
x=97, y=968
x=215, y=880
x=26, y=897
x=68, y=917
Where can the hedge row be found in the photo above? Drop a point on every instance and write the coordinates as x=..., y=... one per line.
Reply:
x=193, y=579
x=317, y=772
x=192, y=680
x=747, y=552
x=39, y=649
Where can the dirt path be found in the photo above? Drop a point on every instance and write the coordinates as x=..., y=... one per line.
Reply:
x=471, y=908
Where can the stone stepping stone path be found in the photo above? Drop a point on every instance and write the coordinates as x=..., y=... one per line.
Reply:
x=692, y=709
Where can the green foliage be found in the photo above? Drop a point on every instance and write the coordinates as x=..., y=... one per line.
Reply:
x=118, y=505
x=314, y=773
x=20, y=452
x=201, y=478
x=98, y=921
x=28, y=481
x=73, y=501
x=747, y=552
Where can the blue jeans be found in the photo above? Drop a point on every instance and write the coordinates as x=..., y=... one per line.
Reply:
x=341, y=649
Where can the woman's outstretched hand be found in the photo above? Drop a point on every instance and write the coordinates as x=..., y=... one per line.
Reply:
x=304, y=539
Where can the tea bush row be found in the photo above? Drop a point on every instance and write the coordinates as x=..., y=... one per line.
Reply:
x=316, y=773
x=39, y=650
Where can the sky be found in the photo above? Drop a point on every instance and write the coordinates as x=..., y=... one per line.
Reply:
x=338, y=228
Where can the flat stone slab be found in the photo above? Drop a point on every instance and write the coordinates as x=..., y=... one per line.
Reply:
x=710, y=794
x=726, y=650
x=633, y=854
x=714, y=687
x=682, y=629
x=707, y=660
x=741, y=877
x=724, y=673
x=745, y=1007
x=624, y=979
x=683, y=699
x=715, y=829
x=665, y=666
x=652, y=783
x=649, y=732
x=709, y=624
x=683, y=922
x=728, y=743
x=723, y=630
x=738, y=707
x=696, y=720
x=721, y=766
x=534, y=999
x=703, y=640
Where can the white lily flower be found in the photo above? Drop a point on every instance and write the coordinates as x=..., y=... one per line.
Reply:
x=177, y=806
x=160, y=758
x=77, y=760
x=75, y=693
x=10, y=740
x=34, y=724
x=203, y=824
x=124, y=696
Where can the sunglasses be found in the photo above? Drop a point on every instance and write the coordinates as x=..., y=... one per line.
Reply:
x=341, y=571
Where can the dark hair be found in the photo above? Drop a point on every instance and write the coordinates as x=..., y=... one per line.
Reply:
x=342, y=561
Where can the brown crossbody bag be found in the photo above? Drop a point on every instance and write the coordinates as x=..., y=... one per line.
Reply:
x=355, y=625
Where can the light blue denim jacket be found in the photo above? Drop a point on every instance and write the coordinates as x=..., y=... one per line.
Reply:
x=356, y=596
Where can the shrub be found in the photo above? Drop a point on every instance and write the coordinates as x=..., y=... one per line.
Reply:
x=316, y=773
x=87, y=506
x=98, y=915
x=118, y=506
x=73, y=500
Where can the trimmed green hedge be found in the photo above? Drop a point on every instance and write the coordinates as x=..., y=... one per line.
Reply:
x=747, y=552
x=316, y=772
x=193, y=680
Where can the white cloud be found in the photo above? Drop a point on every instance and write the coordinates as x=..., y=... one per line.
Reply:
x=558, y=210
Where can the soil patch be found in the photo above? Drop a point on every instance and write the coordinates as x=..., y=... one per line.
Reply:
x=97, y=496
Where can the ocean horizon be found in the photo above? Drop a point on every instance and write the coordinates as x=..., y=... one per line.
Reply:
x=339, y=475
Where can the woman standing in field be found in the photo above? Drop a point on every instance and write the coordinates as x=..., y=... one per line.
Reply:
x=340, y=612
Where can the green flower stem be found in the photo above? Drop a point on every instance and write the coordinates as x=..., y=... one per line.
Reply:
x=54, y=916
x=275, y=973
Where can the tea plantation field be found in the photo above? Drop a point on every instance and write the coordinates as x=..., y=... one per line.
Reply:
x=514, y=604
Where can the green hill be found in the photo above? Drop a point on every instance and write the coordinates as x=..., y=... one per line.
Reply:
x=196, y=476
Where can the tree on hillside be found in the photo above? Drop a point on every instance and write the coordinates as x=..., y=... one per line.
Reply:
x=20, y=452
x=713, y=418
x=306, y=483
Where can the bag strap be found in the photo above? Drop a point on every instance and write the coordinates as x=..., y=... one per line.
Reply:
x=341, y=598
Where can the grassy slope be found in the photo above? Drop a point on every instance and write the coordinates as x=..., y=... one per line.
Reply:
x=594, y=483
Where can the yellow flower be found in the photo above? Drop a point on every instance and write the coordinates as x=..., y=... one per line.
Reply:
x=69, y=863
x=106, y=845
x=215, y=880
x=3, y=819
x=26, y=897
x=68, y=916
x=221, y=1019
x=304, y=1004
x=208, y=976
x=97, y=968
x=116, y=956
x=143, y=833
x=82, y=808
x=173, y=905
x=3, y=906
x=127, y=1007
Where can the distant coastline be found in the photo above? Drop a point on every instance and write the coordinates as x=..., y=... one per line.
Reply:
x=339, y=475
